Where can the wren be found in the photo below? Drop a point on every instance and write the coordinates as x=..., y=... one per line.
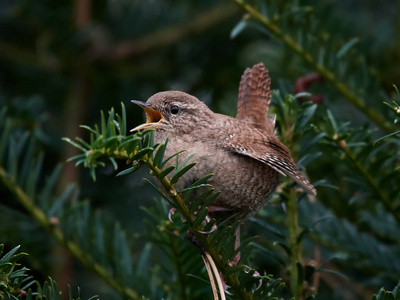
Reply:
x=243, y=153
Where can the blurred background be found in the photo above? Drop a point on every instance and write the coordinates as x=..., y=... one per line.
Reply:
x=61, y=62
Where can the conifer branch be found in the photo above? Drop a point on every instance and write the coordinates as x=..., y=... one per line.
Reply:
x=16, y=284
x=167, y=36
x=295, y=246
x=370, y=180
x=84, y=257
x=330, y=77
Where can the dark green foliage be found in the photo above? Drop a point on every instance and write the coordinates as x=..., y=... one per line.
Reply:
x=16, y=284
x=63, y=63
x=388, y=295
x=12, y=278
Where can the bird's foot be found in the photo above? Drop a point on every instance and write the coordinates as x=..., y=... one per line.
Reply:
x=212, y=209
x=247, y=269
x=171, y=212
x=213, y=228
x=255, y=274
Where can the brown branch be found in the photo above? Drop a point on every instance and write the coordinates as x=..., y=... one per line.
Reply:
x=19, y=55
x=124, y=49
x=167, y=36
x=75, y=114
x=82, y=13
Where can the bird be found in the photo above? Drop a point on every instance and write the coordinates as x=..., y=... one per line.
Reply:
x=243, y=152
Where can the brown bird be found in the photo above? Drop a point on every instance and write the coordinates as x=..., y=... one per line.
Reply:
x=243, y=153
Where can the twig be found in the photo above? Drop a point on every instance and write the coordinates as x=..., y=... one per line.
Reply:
x=19, y=55
x=382, y=196
x=75, y=109
x=82, y=13
x=167, y=36
x=295, y=247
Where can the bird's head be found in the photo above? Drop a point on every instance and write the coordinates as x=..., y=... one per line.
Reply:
x=173, y=110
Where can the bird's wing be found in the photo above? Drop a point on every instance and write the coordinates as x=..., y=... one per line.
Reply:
x=255, y=97
x=270, y=151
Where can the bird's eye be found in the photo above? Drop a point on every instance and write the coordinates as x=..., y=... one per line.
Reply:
x=174, y=109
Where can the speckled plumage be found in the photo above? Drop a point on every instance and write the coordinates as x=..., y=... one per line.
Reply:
x=243, y=153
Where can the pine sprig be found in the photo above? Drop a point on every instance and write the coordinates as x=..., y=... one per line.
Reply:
x=388, y=295
x=16, y=284
x=79, y=249
x=326, y=62
x=62, y=216
x=366, y=158
x=11, y=276
x=365, y=250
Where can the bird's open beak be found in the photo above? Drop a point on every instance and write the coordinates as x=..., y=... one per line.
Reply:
x=153, y=116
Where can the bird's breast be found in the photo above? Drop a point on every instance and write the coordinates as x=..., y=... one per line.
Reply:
x=245, y=183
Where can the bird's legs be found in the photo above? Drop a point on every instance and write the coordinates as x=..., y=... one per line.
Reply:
x=212, y=209
x=217, y=285
x=208, y=261
x=237, y=245
x=237, y=232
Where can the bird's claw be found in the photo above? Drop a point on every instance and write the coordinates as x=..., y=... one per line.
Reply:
x=213, y=228
x=226, y=289
x=259, y=281
x=255, y=274
x=171, y=212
